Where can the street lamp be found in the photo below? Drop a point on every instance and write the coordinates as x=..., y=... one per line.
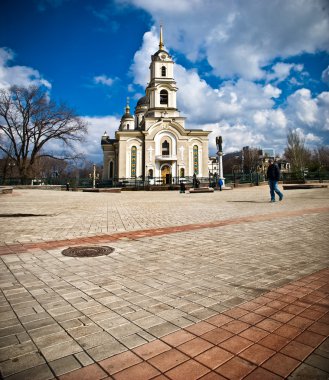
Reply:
x=94, y=175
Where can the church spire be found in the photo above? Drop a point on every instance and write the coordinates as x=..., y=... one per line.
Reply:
x=127, y=106
x=161, y=45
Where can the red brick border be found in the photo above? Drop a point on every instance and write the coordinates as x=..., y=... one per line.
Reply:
x=132, y=235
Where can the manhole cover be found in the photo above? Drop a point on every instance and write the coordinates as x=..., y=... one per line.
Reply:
x=87, y=251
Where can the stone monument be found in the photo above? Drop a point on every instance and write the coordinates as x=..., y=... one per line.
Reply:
x=219, y=143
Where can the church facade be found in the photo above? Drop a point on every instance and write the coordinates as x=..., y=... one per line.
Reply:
x=153, y=144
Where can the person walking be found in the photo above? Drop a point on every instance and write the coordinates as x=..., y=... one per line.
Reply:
x=273, y=176
x=220, y=184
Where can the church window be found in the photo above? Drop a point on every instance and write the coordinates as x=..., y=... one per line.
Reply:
x=182, y=172
x=165, y=148
x=163, y=71
x=163, y=97
x=111, y=169
x=127, y=126
x=195, y=159
x=150, y=173
x=133, y=161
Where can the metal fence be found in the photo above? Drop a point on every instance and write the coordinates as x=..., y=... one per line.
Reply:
x=169, y=181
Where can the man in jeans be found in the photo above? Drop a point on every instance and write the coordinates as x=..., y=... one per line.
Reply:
x=273, y=176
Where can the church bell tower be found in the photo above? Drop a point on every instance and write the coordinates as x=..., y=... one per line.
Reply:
x=162, y=89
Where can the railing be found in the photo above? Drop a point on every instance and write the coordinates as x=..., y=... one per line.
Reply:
x=170, y=181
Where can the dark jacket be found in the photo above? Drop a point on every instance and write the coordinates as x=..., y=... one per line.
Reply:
x=273, y=172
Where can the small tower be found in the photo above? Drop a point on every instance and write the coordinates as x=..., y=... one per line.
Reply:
x=161, y=90
x=127, y=121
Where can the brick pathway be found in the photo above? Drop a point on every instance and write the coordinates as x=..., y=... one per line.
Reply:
x=240, y=294
x=266, y=338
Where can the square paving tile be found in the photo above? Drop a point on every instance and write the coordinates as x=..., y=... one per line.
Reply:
x=236, y=368
x=167, y=360
x=236, y=326
x=262, y=374
x=236, y=344
x=141, y=371
x=282, y=316
x=200, y=328
x=219, y=320
x=214, y=357
x=277, y=304
x=217, y=335
x=310, y=338
x=195, y=346
x=119, y=362
x=288, y=331
x=266, y=311
x=257, y=354
x=92, y=371
x=296, y=350
x=274, y=342
x=190, y=370
x=311, y=314
x=320, y=328
x=254, y=334
x=269, y=325
x=236, y=312
x=177, y=338
x=281, y=365
x=148, y=350
x=300, y=322
x=252, y=318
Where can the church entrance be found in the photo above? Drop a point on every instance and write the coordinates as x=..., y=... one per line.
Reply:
x=166, y=174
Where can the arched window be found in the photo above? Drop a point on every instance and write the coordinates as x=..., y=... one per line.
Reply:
x=182, y=172
x=163, y=97
x=163, y=71
x=111, y=169
x=133, y=161
x=127, y=126
x=150, y=173
x=195, y=159
x=165, y=148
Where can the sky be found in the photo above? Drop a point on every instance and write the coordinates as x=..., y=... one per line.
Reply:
x=248, y=70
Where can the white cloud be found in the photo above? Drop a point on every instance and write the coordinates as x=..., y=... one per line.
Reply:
x=139, y=68
x=238, y=37
x=96, y=128
x=103, y=79
x=325, y=75
x=281, y=71
x=242, y=111
x=18, y=75
x=304, y=106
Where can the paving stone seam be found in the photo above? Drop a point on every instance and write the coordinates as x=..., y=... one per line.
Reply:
x=17, y=248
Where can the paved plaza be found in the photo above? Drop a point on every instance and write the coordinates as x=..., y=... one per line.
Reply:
x=222, y=285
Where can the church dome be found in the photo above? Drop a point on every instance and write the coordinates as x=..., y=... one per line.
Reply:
x=144, y=101
x=127, y=114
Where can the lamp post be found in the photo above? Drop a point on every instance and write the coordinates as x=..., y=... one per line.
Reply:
x=94, y=176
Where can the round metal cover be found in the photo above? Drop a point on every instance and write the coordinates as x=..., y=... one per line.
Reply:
x=87, y=251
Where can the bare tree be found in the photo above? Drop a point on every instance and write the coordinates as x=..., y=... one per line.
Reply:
x=296, y=152
x=322, y=153
x=29, y=121
x=251, y=158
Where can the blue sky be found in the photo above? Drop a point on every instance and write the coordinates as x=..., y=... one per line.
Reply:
x=245, y=69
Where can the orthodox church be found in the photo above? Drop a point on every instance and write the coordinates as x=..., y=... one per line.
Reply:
x=153, y=144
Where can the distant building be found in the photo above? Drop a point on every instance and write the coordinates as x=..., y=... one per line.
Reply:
x=252, y=159
x=153, y=143
x=213, y=166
